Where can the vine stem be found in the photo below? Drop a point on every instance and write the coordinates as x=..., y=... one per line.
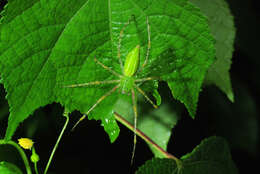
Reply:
x=21, y=152
x=65, y=114
x=145, y=138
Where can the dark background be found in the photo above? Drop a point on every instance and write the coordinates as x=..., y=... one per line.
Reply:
x=88, y=149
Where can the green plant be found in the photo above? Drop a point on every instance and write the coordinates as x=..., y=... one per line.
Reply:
x=51, y=45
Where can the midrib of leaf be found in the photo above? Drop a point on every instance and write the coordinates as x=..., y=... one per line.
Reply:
x=219, y=75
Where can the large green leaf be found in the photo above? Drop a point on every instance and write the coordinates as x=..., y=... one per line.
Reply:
x=46, y=44
x=222, y=26
x=211, y=156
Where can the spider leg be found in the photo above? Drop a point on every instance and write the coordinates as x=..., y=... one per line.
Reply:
x=92, y=83
x=147, y=79
x=119, y=42
x=149, y=43
x=107, y=68
x=93, y=107
x=135, y=123
x=147, y=98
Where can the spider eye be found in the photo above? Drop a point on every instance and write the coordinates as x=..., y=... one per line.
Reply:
x=132, y=62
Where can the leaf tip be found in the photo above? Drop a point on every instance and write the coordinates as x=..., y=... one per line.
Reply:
x=231, y=97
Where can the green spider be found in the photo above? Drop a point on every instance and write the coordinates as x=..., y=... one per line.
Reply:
x=127, y=81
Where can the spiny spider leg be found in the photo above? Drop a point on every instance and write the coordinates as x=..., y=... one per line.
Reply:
x=92, y=83
x=135, y=114
x=107, y=68
x=93, y=107
x=147, y=79
x=119, y=43
x=135, y=123
x=147, y=98
x=142, y=92
x=149, y=43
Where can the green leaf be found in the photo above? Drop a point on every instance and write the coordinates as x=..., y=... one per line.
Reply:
x=222, y=26
x=9, y=168
x=157, y=165
x=46, y=45
x=211, y=156
x=156, y=124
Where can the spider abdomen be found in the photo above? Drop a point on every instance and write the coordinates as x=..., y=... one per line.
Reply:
x=132, y=62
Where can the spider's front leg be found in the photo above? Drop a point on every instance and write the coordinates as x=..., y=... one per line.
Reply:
x=95, y=105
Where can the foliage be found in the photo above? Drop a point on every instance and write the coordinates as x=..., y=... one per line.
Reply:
x=91, y=28
x=47, y=45
x=211, y=156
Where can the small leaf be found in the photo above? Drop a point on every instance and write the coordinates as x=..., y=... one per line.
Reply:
x=222, y=26
x=9, y=168
x=211, y=156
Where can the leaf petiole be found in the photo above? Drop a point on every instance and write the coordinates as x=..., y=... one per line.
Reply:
x=147, y=139
x=65, y=114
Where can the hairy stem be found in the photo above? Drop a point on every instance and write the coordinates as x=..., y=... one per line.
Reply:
x=57, y=142
x=145, y=138
x=21, y=152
